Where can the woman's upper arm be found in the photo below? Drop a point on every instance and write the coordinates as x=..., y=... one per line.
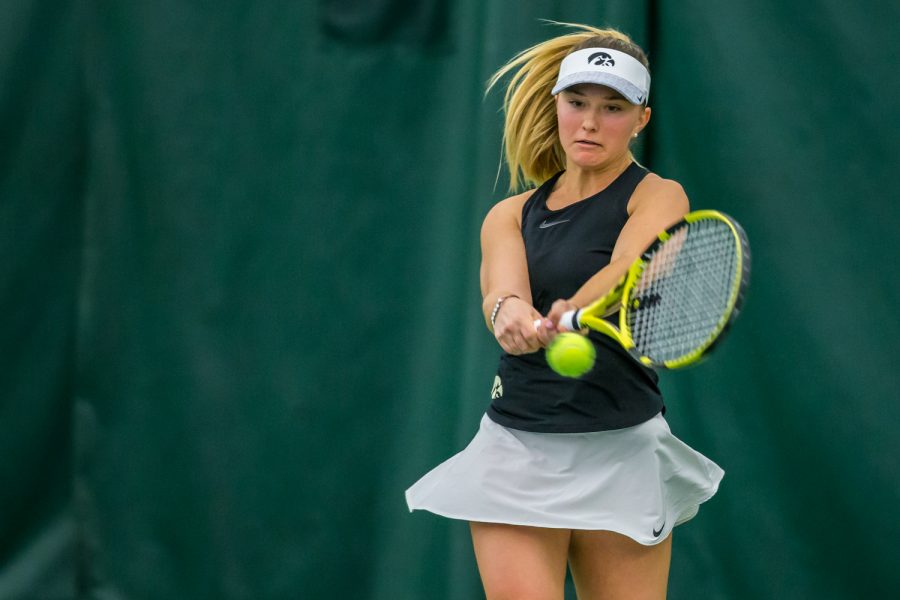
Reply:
x=504, y=268
x=656, y=205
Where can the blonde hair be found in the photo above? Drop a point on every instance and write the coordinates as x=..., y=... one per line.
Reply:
x=530, y=137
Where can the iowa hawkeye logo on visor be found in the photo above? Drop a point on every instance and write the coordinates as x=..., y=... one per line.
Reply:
x=601, y=59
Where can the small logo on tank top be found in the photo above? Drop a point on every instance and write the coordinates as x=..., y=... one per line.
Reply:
x=547, y=223
x=497, y=390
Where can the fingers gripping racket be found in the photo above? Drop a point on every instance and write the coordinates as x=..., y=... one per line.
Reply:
x=680, y=296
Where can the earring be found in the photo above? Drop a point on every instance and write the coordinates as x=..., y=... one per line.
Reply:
x=635, y=135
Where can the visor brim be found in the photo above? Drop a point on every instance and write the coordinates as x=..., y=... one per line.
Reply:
x=630, y=91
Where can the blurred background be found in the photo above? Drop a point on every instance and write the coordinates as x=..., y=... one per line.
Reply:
x=239, y=304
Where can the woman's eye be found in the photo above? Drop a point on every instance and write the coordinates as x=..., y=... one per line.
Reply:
x=576, y=103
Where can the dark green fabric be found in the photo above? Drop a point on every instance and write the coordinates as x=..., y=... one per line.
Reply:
x=41, y=185
x=784, y=117
x=240, y=290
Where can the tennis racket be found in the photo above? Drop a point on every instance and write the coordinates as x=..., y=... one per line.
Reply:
x=680, y=296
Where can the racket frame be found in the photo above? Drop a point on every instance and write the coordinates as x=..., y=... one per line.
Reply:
x=621, y=296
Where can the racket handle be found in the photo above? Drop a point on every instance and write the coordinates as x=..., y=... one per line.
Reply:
x=569, y=320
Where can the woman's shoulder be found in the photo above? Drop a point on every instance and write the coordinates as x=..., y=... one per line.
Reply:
x=653, y=189
x=653, y=182
x=510, y=207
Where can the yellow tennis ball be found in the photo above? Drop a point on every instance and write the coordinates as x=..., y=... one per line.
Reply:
x=571, y=354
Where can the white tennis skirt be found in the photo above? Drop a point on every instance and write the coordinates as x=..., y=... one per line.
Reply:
x=639, y=481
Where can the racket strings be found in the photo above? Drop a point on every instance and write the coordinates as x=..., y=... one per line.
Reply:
x=684, y=293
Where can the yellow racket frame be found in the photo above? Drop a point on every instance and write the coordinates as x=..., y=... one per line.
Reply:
x=621, y=296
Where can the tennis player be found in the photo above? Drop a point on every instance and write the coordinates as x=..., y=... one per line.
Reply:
x=579, y=472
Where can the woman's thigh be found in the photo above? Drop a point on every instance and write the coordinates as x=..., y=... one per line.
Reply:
x=521, y=562
x=606, y=564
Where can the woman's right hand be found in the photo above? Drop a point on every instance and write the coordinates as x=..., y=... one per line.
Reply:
x=556, y=312
x=520, y=329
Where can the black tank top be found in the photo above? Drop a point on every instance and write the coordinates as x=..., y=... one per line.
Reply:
x=564, y=249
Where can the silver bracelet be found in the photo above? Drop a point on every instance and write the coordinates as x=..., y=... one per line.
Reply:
x=497, y=306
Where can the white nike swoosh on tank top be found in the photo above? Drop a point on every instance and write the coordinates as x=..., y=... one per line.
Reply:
x=545, y=224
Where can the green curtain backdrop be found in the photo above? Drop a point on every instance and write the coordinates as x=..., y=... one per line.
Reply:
x=240, y=305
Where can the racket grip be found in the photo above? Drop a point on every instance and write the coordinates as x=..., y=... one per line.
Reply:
x=569, y=320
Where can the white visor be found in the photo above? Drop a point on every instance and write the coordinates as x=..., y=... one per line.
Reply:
x=605, y=66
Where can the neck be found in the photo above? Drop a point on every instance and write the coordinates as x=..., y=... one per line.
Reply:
x=578, y=182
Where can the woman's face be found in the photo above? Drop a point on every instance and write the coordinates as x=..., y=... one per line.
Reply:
x=596, y=124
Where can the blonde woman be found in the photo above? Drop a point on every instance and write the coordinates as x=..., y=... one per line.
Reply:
x=564, y=472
